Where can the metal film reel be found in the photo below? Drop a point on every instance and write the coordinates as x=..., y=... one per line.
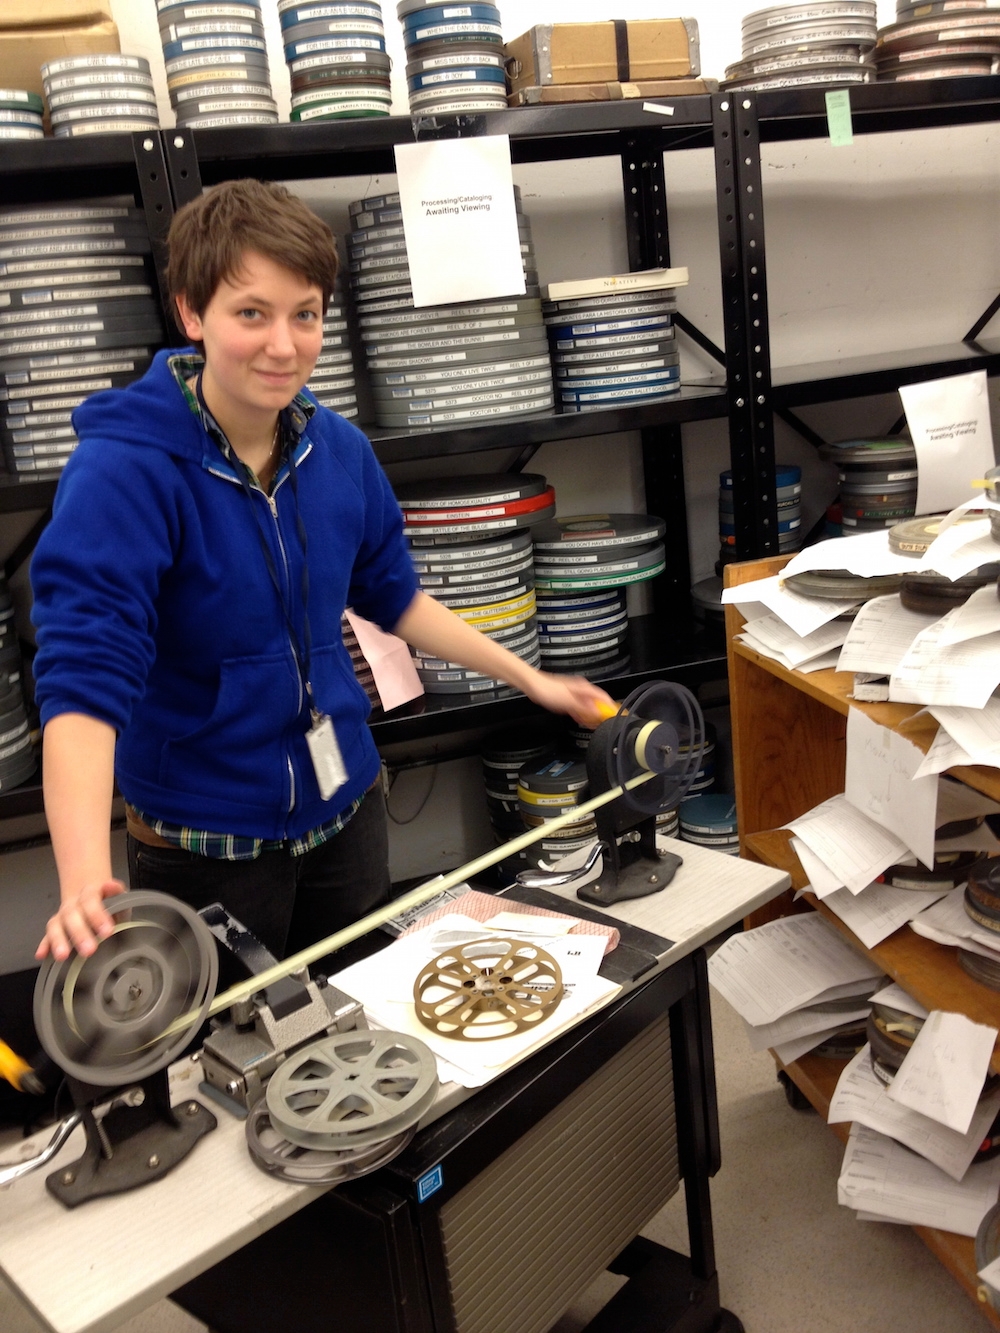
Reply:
x=487, y=988
x=670, y=741
x=103, y=1019
x=352, y=1090
x=279, y=1156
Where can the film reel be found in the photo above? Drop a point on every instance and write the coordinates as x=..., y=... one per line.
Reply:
x=352, y=1090
x=670, y=742
x=485, y=989
x=279, y=1156
x=102, y=1019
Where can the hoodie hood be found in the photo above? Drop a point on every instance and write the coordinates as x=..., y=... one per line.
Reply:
x=146, y=412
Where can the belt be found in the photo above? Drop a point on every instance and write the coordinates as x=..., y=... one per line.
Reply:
x=141, y=831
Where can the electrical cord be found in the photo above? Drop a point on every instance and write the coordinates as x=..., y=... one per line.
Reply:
x=402, y=823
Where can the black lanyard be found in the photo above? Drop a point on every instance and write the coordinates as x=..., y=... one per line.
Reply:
x=302, y=651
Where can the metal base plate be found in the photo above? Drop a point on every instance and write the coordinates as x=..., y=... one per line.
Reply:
x=638, y=880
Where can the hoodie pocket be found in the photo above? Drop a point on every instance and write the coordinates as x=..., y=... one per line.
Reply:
x=238, y=751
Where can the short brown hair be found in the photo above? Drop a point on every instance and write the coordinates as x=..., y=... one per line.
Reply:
x=210, y=235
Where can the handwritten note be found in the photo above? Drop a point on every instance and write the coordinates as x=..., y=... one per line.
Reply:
x=881, y=783
x=943, y=1073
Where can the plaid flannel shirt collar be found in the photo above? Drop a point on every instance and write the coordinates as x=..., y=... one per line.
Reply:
x=184, y=367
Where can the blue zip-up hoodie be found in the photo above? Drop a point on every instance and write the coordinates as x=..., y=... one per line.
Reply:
x=155, y=611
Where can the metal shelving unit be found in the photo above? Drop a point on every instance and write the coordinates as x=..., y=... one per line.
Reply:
x=788, y=115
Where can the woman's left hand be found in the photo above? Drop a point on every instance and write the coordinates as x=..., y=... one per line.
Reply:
x=588, y=705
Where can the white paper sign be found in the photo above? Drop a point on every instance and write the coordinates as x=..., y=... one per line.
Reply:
x=943, y=1072
x=949, y=423
x=880, y=783
x=459, y=219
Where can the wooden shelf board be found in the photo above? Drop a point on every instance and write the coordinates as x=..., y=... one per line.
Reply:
x=816, y=1079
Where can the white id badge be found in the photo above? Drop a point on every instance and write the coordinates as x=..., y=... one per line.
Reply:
x=327, y=761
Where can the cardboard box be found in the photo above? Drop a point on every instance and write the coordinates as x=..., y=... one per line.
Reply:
x=621, y=50
x=611, y=92
x=53, y=13
x=24, y=50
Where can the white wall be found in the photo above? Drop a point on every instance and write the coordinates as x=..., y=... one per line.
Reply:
x=890, y=243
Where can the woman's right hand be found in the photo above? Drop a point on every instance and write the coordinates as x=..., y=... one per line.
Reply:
x=80, y=922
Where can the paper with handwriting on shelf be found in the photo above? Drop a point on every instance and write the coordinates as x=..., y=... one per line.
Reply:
x=894, y=996
x=880, y=636
x=880, y=782
x=850, y=844
x=957, y=674
x=866, y=554
x=785, y=964
x=881, y=1177
x=457, y=200
x=943, y=1072
x=949, y=421
x=878, y=911
x=861, y=1096
x=802, y=614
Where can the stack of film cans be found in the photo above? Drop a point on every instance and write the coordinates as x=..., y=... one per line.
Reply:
x=710, y=821
x=17, y=755
x=102, y=94
x=21, y=114
x=216, y=59
x=471, y=553
x=454, y=58
x=333, y=381
x=583, y=565
x=502, y=763
x=362, y=669
x=939, y=39
x=77, y=314
x=788, y=491
x=613, y=349
x=446, y=364
x=553, y=786
x=926, y=591
x=878, y=482
x=336, y=57
x=811, y=43
x=982, y=906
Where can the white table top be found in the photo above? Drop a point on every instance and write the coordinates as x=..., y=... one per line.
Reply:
x=85, y=1270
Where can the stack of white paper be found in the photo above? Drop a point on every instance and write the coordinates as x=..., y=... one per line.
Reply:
x=947, y=922
x=384, y=985
x=776, y=975
x=886, y=1182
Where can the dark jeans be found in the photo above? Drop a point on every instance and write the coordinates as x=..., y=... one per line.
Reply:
x=288, y=902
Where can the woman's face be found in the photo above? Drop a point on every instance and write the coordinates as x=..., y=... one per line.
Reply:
x=262, y=331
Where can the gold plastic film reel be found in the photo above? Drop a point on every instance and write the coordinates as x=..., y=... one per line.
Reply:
x=487, y=988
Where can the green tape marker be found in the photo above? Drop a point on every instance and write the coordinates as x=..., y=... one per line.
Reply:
x=838, y=117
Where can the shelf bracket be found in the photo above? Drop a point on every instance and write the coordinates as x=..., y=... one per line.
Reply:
x=744, y=291
x=157, y=203
x=182, y=165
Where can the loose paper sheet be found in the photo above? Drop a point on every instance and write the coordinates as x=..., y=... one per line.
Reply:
x=801, y=1023
x=866, y=554
x=787, y=1051
x=962, y=674
x=389, y=657
x=945, y=752
x=960, y=548
x=878, y=911
x=802, y=614
x=882, y=1177
x=459, y=219
x=785, y=964
x=949, y=421
x=881, y=783
x=881, y=635
x=772, y=631
x=975, y=730
x=822, y=879
x=943, y=1072
x=850, y=845
x=979, y=615
x=894, y=997
x=861, y=1096
x=947, y=922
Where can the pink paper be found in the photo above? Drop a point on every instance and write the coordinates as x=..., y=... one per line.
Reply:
x=483, y=906
x=392, y=666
